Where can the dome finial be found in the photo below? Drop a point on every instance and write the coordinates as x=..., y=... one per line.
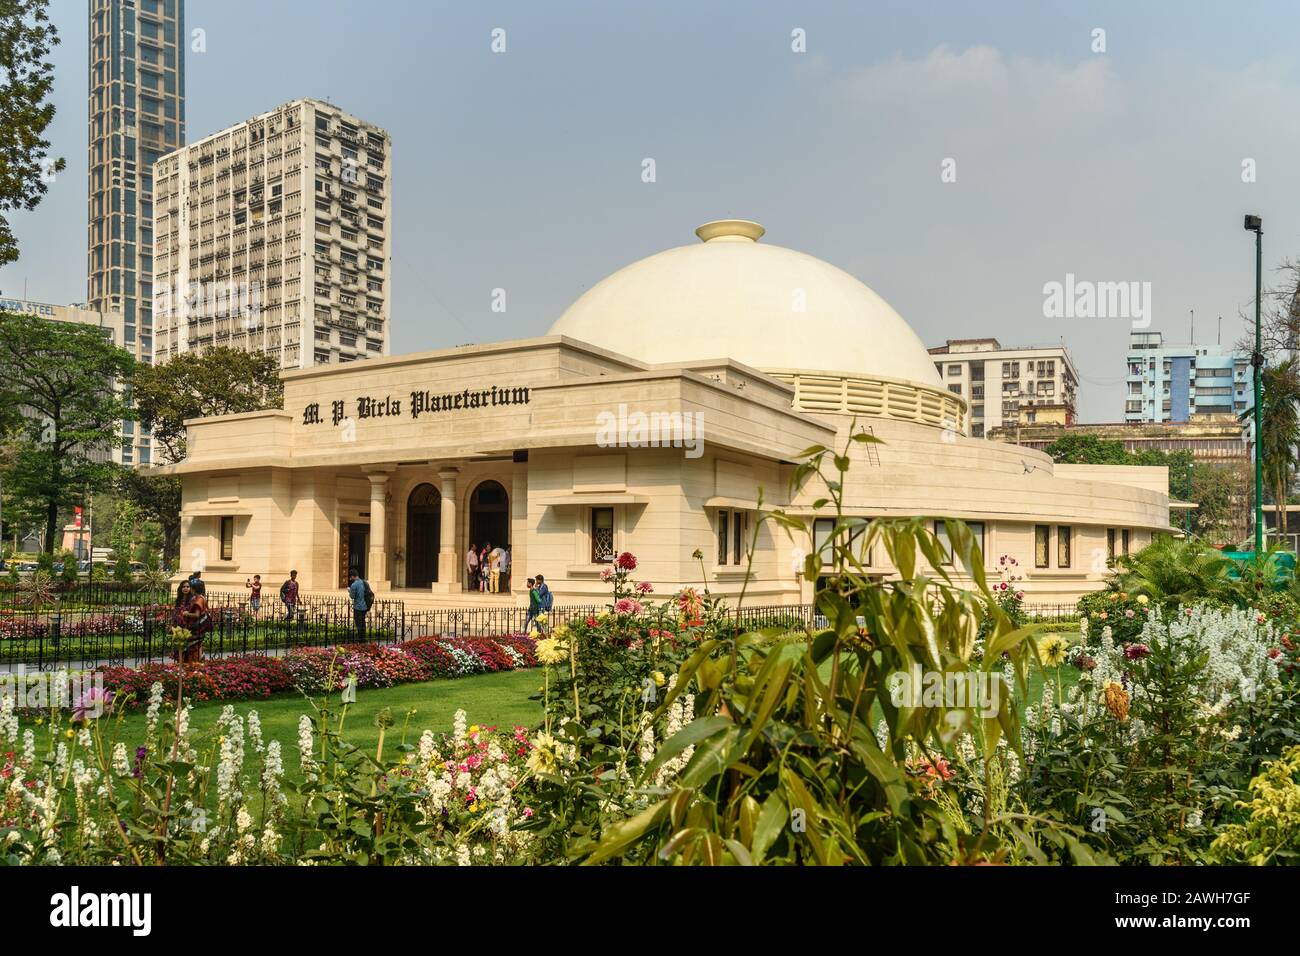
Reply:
x=730, y=230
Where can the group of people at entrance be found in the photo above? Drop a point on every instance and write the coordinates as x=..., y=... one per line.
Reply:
x=487, y=569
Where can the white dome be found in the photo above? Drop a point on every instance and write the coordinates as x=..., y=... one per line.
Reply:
x=734, y=297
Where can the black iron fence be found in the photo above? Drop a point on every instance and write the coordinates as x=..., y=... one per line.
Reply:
x=80, y=593
x=81, y=638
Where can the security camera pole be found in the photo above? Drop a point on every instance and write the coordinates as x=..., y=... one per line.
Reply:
x=1256, y=225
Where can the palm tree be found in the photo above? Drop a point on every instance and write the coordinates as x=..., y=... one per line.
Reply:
x=1280, y=432
x=1178, y=571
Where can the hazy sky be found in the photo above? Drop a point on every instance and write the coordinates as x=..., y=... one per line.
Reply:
x=522, y=170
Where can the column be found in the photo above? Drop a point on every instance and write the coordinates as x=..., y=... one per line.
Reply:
x=519, y=528
x=448, y=560
x=377, y=559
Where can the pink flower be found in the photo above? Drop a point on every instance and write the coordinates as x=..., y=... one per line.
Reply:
x=628, y=606
x=607, y=574
x=645, y=587
x=1128, y=613
x=1020, y=595
x=1136, y=651
x=528, y=813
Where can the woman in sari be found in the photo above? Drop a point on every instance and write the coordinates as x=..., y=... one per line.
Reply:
x=192, y=613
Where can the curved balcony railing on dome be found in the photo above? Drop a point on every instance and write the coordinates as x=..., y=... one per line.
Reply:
x=876, y=398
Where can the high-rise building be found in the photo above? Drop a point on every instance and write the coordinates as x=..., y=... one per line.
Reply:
x=1180, y=383
x=1007, y=385
x=274, y=236
x=136, y=115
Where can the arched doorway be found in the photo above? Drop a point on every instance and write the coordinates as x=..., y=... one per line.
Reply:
x=423, y=530
x=489, y=515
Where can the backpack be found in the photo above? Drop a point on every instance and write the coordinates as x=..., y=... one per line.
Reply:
x=548, y=598
x=368, y=595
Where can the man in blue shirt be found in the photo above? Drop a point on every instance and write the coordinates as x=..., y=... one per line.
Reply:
x=357, y=593
x=545, y=594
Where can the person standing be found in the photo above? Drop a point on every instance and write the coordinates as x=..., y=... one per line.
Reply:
x=483, y=566
x=471, y=567
x=289, y=595
x=362, y=600
x=192, y=613
x=254, y=593
x=196, y=583
x=544, y=593
x=534, y=605
x=505, y=568
x=494, y=572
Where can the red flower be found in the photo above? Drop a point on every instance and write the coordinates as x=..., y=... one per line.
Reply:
x=1135, y=651
x=627, y=561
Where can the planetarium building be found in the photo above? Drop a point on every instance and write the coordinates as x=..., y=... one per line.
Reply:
x=650, y=418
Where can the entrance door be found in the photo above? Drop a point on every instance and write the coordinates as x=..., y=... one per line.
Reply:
x=354, y=547
x=489, y=516
x=423, y=530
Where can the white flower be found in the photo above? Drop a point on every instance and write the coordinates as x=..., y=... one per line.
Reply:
x=255, y=731
x=459, y=728
x=154, y=709
x=272, y=771
x=8, y=719
x=306, y=744
x=121, y=763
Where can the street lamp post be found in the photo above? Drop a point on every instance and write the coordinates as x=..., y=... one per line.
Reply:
x=1256, y=225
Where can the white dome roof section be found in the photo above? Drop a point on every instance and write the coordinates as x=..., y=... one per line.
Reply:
x=731, y=296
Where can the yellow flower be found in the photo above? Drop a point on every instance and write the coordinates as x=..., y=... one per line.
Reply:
x=659, y=678
x=1143, y=599
x=551, y=650
x=541, y=759
x=473, y=729
x=70, y=734
x=1123, y=595
x=1052, y=651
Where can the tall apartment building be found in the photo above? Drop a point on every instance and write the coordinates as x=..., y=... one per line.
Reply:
x=109, y=323
x=1180, y=383
x=1005, y=386
x=274, y=236
x=136, y=114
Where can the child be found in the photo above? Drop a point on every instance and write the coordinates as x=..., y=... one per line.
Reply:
x=255, y=596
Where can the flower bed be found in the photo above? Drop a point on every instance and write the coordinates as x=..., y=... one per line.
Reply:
x=318, y=669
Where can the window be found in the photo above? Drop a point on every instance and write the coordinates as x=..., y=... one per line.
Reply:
x=1123, y=541
x=738, y=536
x=976, y=529
x=1110, y=545
x=1042, y=545
x=227, y=538
x=722, y=537
x=1062, y=546
x=602, y=535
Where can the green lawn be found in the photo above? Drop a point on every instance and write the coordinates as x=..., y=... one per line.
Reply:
x=501, y=699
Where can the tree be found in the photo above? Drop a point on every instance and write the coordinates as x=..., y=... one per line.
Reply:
x=1085, y=449
x=26, y=79
x=60, y=375
x=158, y=497
x=218, y=381
x=1280, y=432
x=1221, y=496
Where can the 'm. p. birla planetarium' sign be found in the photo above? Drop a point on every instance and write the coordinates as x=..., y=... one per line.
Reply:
x=418, y=403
